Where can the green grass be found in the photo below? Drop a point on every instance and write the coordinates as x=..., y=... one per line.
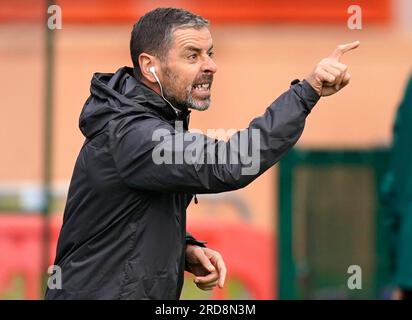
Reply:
x=234, y=288
x=15, y=291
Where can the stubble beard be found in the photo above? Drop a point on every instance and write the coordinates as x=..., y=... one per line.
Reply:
x=188, y=102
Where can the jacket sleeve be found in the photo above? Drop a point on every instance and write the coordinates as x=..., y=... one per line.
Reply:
x=151, y=156
x=191, y=240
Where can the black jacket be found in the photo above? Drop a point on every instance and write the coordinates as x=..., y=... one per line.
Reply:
x=124, y=226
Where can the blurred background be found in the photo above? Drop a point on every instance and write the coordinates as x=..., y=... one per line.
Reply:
x=295, y=230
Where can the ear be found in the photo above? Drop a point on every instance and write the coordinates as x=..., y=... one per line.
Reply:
x=145, y=62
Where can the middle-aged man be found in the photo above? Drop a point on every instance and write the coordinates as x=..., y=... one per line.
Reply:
x=124, y=229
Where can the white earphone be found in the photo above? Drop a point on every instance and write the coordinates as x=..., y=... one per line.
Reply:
x=152, y=69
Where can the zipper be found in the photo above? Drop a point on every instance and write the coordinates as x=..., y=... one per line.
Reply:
x=196, y=201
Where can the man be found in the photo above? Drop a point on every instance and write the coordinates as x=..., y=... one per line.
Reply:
x=124, y=229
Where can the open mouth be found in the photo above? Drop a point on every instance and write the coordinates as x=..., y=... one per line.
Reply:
x=203, y=87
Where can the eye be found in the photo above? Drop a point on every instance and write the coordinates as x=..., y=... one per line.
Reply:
x=211, y=54
x=192, y=57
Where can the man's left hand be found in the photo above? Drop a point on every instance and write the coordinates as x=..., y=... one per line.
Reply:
x=330, y=75
x=207, y=265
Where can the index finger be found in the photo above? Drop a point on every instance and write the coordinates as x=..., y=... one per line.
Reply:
x=222, y=273
x=342, y=48
x=221, y=268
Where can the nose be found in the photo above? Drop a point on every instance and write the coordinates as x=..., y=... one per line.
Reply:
x=209, y=66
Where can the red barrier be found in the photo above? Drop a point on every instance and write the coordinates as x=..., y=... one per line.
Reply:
x=234, y=11
x=248, y=253
x=21, y=250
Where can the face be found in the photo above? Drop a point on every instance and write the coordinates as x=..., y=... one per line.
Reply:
x=188, y=69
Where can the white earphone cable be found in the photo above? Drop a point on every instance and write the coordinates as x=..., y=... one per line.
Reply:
x=161, y=90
